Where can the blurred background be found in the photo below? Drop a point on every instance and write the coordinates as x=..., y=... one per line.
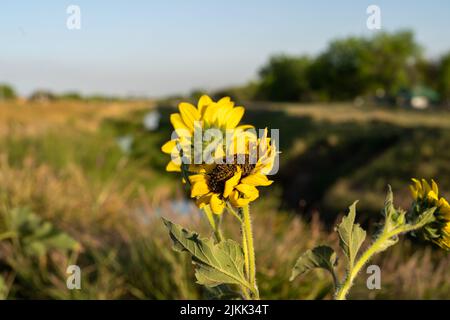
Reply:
x=85, y=98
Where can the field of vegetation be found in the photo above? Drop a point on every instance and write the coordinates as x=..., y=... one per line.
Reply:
x=84, y=183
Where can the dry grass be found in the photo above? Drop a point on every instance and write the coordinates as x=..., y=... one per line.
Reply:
x=35, y=117
x=337, y=113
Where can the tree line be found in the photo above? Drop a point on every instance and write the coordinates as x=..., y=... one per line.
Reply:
x=387, y=65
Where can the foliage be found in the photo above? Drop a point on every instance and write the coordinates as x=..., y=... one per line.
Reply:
x=7, y=92
x=383, y=65
x=352, y=236
x=32, y=235
x=285, y=78
x=444, y=78
x=216, y=264
x=320, y=257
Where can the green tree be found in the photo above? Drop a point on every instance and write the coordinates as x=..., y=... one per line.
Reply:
x=443, y=82
x=343, y=70
x=285, y=78
x=394, y=61
x=7, y=92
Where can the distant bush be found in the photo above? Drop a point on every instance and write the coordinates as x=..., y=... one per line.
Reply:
x=242, y=93
x=7, y=92
x=285, y=78
x=71, y=96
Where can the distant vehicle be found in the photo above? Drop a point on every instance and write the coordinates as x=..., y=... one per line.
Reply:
x=418, y=98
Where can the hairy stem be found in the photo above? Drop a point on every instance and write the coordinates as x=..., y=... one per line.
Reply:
x=376, y=247
x=248, y=235
x=214, y=223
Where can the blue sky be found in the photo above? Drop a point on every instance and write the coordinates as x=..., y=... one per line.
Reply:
x=156, y=48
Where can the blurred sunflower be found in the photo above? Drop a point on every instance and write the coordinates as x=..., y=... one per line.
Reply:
x=426, y=196
x=235, y=173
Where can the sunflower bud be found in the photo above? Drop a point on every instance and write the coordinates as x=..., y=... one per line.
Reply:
x=426, y=197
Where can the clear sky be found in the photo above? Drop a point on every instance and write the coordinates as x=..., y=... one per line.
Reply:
x=156, y=48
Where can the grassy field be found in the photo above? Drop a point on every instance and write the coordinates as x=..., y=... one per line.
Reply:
x=71, y=193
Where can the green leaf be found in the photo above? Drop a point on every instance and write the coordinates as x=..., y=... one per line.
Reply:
x=394, y=218
x=222, y=292
x=351, y=235
x=221, y=263
x=3, y=289
x=320, y=257
x=425, y=218
x=36, y=236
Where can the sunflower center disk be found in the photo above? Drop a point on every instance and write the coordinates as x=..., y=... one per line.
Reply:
x=222, y=172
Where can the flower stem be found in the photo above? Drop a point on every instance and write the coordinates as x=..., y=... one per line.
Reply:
x=343, y=290
x=250, y=250
x=245, y=249
x=214, y=223
x=218, y=229
x=377, y=246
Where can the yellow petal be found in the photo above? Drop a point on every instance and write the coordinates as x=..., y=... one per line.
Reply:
x=203, y=102
x=265, y=166
x=432, y=196
x=426, y=187
x=417, y=187
x=241, y=142
x=203, y=200
x=173, y=167
x=237, y=201
x=257, y=179
x=447, y=228
x=413, y=191
x=234, y=117
x=210, y=114
x=434, y=187
x=201, y=168
x=189, y=114
x=223, y=112
x=199, y=188
x=169, y=146
x=217, y=205
x=231, y=183
x=180, y=127
x=444, y=208
x=250, y=192
x=244, y=127
x=196, y=178
x=224, y=100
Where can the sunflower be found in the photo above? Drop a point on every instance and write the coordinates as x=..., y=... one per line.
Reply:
x=235, y=172
x=234, y=181
x=427, y=196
